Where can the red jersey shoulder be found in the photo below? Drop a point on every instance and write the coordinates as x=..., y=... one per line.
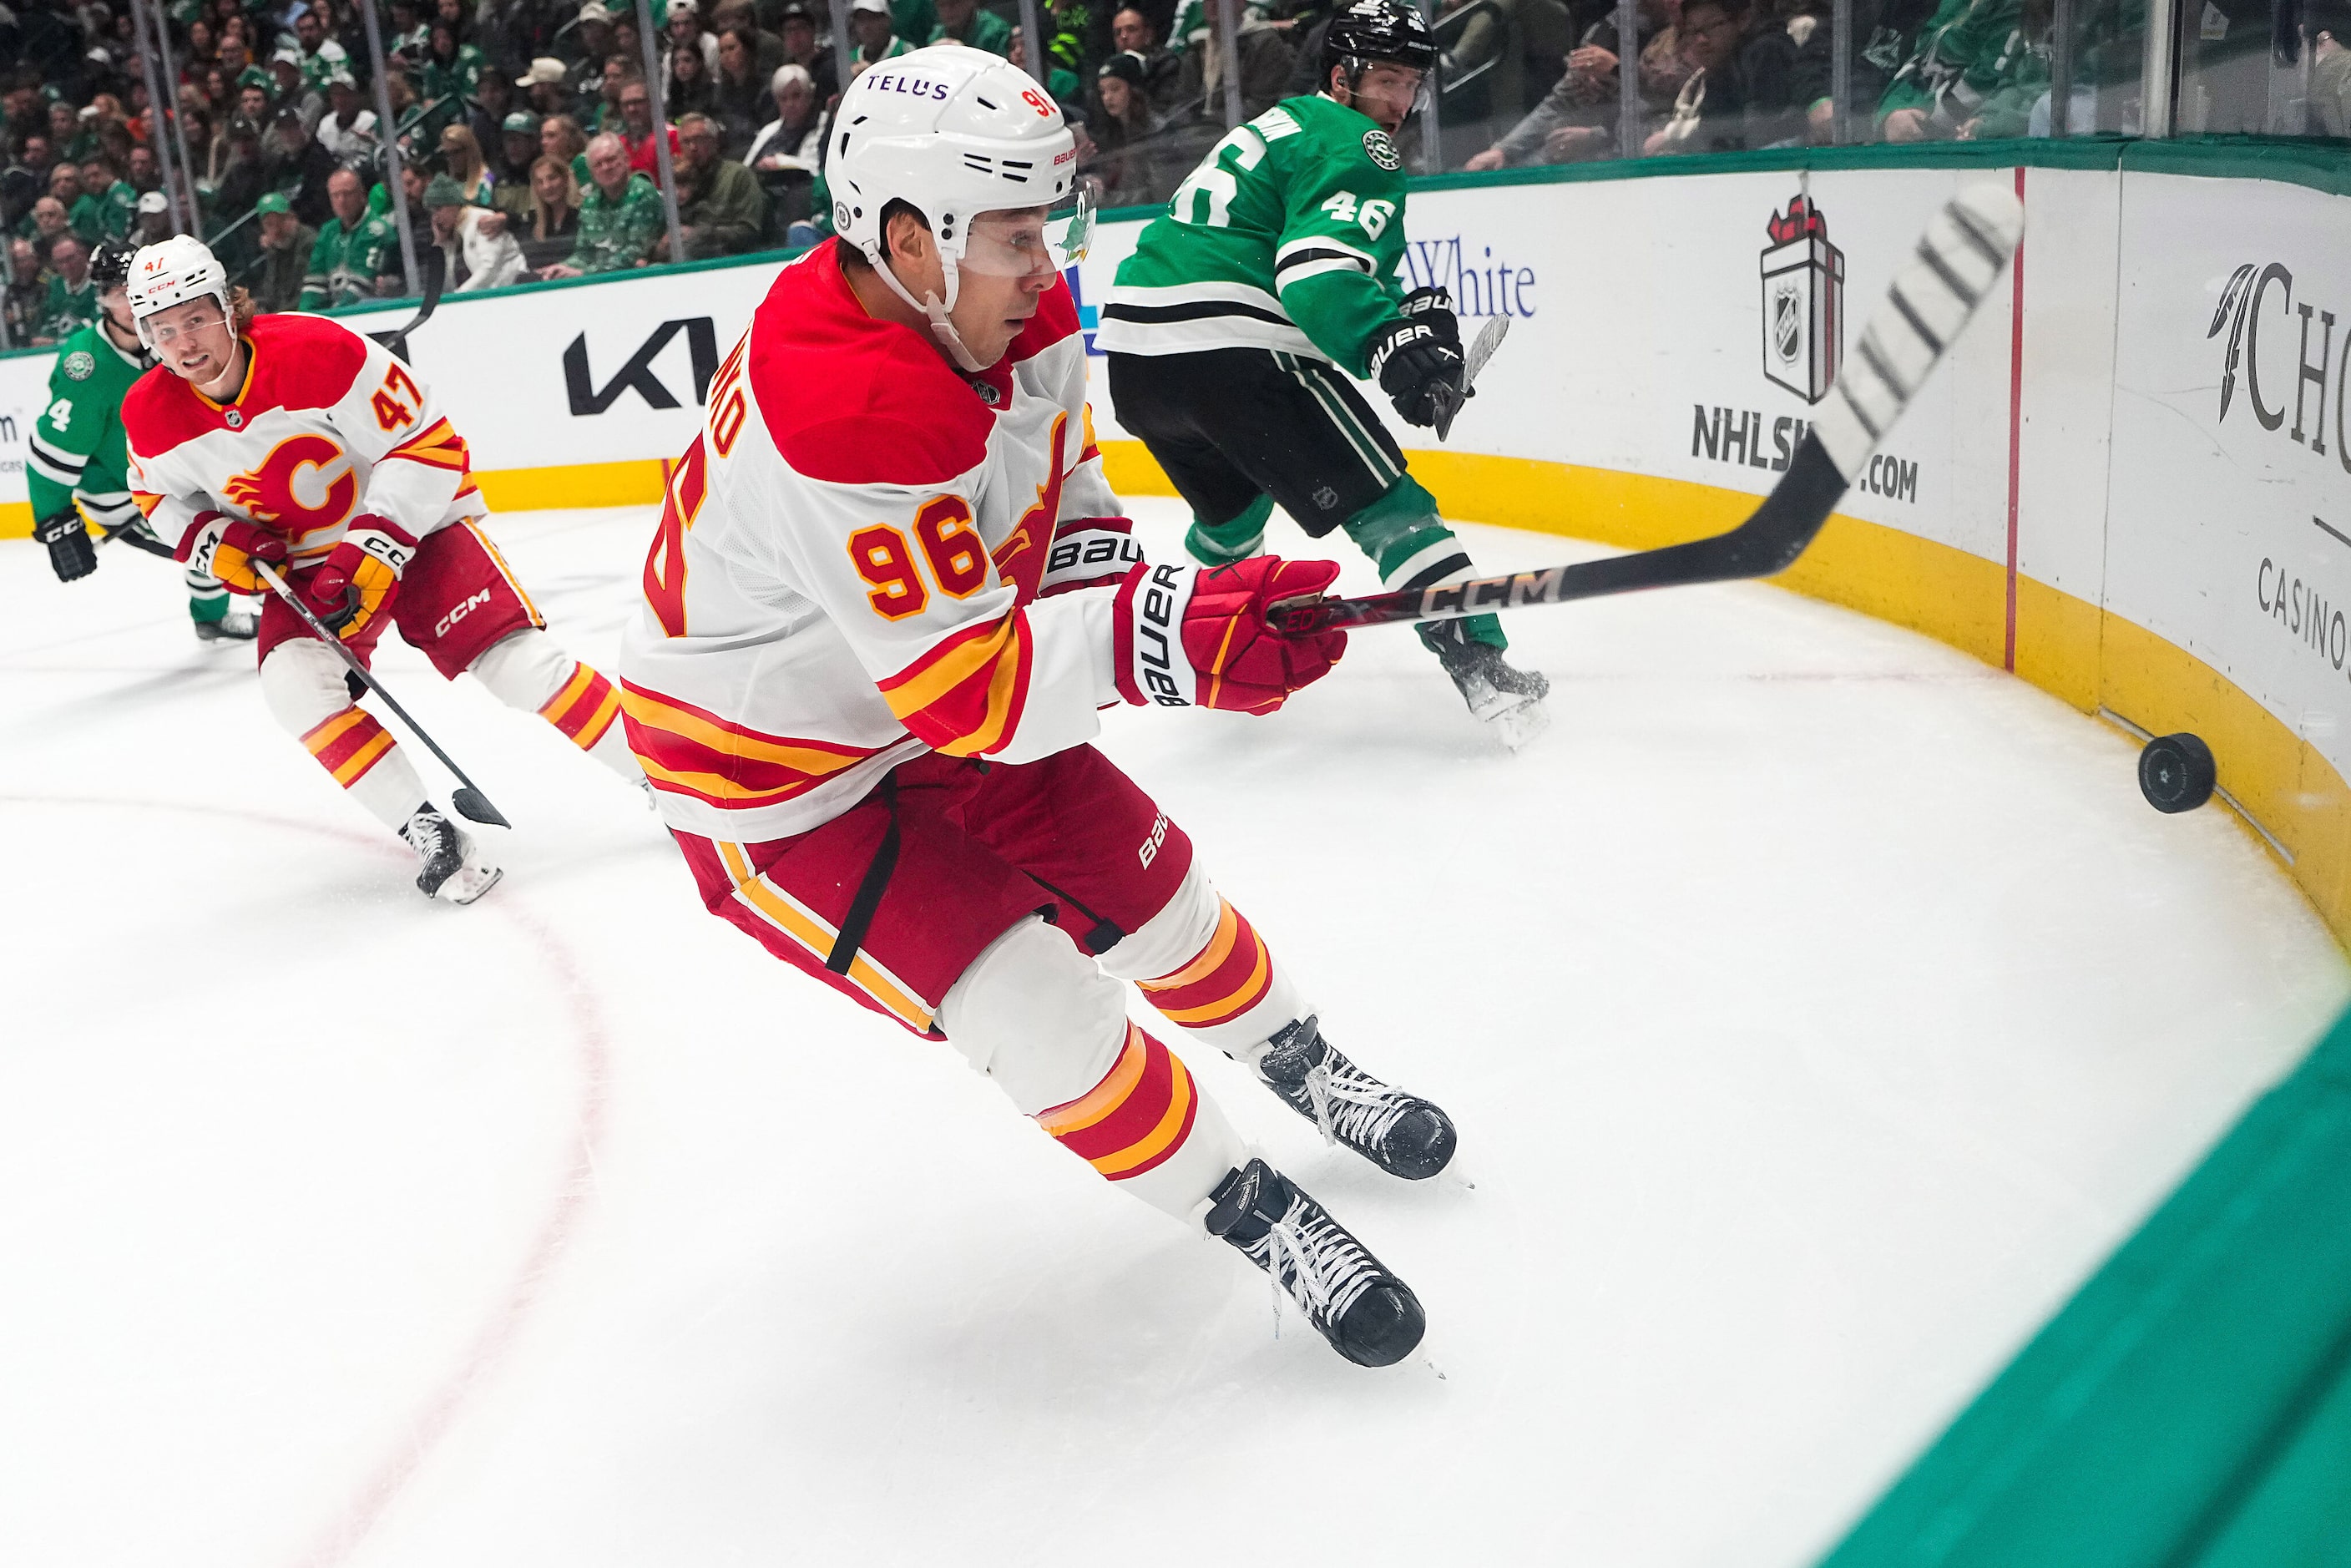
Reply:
x=302, y=361
x=853, y=401
x=1056, y=319
x=160, y=411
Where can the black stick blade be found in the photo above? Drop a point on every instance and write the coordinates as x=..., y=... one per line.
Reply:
x=474, y=806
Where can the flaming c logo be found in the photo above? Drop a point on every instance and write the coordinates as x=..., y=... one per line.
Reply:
x=272, y=493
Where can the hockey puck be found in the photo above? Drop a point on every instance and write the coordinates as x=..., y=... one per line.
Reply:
x=2175, y=772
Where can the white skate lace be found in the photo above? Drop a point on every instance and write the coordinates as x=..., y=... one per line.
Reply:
x=1366, y=1108
x=1305, y=1254
x=423, y=833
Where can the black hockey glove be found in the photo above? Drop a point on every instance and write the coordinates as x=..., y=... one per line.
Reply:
x=1435, y=306
x=72, y=552
x=1419, y=370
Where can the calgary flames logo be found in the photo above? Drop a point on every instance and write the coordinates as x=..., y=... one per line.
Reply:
x=1018, y=561
x=273, y=492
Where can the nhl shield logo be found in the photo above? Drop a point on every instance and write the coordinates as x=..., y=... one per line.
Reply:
x=1803, y=302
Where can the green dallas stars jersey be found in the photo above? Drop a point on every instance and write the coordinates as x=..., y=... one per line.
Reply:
x=1288, y=236
x=76, y=451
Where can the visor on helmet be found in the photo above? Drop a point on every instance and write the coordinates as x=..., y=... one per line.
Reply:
x=1022, y=242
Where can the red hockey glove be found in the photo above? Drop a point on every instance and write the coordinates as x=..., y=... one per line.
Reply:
x=357, y=580
x=1191, y=635
x=228, y=547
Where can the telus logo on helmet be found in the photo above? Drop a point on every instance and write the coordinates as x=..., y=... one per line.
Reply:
x=920, y=87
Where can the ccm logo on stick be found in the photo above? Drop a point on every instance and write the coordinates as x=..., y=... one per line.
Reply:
x=467, y=608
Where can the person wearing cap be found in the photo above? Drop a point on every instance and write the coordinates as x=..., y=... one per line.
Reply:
x=510, y=171
x=302, y=167
x=966, y=22
x=479, y=251
x=809, y=47
x=348, y=131
x=154, y=223
x=875, y=33
x=584, y=47
x=621, y=214
x=1128, y=148
x=684, y=30
x=289, y=90
x=356, y=257
x=546, y=87
x=321, y=58
x=287, y=243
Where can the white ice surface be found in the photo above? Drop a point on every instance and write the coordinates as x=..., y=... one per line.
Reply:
x=1818, y=1005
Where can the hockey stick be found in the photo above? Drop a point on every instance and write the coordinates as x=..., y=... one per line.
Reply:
x=1448, y=406
x=1959, y=258
x=137, y=537
x=435, y=266
x=470, y=802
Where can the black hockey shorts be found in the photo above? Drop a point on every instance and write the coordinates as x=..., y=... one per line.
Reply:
x=1230, y=424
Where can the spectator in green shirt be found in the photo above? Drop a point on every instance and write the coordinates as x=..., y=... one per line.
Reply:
x=288, y=243
x=963, y=22
x=621, y=214
x=322, y=59
x=451, y=69
x=73, y=297
x=870, y=24
x=356, y=255
x=109, y=204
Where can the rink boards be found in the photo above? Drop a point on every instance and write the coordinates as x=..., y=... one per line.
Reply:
x=2129, y=483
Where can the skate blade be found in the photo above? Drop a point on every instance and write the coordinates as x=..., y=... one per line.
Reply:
x=469, y=883
x=1519, y=723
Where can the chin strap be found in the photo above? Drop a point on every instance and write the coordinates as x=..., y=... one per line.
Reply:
x=935, y=311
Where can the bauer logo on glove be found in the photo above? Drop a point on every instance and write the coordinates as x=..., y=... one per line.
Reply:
x=1212, y=622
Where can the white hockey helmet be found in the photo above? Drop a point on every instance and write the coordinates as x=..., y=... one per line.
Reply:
x=952, y=132
x=172, y=272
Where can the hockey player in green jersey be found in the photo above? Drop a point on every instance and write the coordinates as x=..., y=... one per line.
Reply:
x=75, y=461
x=1234, y=329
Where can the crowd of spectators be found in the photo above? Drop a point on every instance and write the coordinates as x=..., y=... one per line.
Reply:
x=526, y=128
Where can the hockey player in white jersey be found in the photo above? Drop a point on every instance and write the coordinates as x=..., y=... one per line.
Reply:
x=294, y=441
x=890, y=593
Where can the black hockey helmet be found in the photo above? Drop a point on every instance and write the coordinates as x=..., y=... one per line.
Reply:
x=110, y=264
x=1363, y=31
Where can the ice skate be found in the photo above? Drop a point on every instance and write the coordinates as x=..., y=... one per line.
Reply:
x=1508, y=700
x=451, y=867
x=1369, y=1315
x=237, y=626
x=1402, y=1133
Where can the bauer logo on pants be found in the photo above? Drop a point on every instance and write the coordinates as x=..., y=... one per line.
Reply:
x=1803, y=302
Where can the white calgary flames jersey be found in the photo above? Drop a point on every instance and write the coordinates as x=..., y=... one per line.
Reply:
x=327, y=426
x=865, y=555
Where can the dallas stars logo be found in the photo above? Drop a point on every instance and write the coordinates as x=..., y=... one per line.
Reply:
x=1383, y=150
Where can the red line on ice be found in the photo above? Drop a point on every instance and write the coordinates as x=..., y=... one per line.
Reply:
x=496, y=1336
